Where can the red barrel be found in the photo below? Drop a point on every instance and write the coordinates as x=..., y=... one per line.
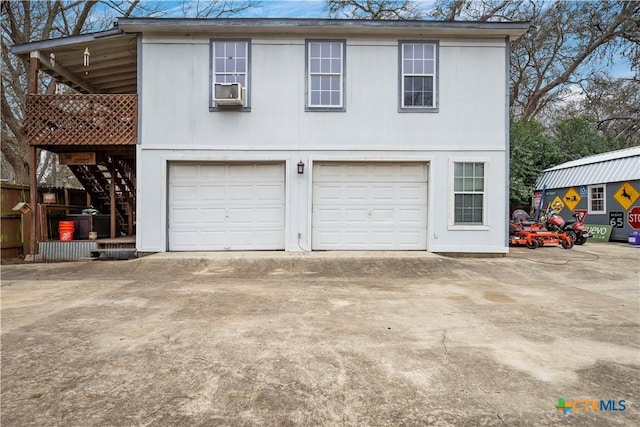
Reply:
x=65, y=228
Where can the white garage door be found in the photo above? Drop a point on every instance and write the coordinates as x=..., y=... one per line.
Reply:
x=370, y=206
x=234, y=206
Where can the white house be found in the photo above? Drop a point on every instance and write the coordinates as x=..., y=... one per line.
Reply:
x=301, y=135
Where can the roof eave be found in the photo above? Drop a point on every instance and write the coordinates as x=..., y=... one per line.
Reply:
x=25, y=49
x=304, y=26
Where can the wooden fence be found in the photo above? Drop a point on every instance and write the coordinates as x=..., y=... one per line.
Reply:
x=14, y=226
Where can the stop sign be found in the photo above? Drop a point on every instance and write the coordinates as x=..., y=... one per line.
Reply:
x=634, y=218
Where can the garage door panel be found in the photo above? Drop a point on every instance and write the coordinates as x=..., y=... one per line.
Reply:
x=362, y=206
x=211, y=193
x=234, y=206
x=187, y=193
x=272, y=192
x=185, y=216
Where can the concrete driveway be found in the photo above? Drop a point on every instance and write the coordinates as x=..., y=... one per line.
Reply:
x=346, y=339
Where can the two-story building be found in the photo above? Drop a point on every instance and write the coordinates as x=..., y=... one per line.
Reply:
x=307, y=134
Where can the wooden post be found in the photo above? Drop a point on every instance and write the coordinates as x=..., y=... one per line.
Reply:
x=34, y=66
x=33, y=195
x=33, y=161
x=130, y=216
x=112, y=195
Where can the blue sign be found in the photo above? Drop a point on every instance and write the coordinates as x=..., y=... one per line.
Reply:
x=583, y=191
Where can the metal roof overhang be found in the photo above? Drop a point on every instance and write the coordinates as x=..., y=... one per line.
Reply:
x=295, y=26
x=112, y=62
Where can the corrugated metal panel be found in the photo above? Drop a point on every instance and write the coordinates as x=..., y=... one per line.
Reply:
x=66, y=251
x=618, y=170
x=598, y=158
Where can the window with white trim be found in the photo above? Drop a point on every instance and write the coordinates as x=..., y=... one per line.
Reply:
x=468, y=189
x=230, y=64
x=325, y=74
x=418, y=76
x=597, y=199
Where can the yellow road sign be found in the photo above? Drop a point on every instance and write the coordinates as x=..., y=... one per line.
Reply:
x=626, y=195
x=557, y=205
x=571, y=199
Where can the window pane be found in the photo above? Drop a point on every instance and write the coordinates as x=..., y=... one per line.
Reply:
x=219, y=65
x=457, y=184
x=315, y=98
x=241, y=65
x=336, y=50
x=315, y=83
x=428, y=67
x=429, y=51
x=335, y=82
x=336, y=66
x=325, y=50
x=240, y=49
x=335, y=98
x=314, y=49
x=315, y=66
x=325, y=83
x=407, y=51
x=325, y=65
x=325, y=98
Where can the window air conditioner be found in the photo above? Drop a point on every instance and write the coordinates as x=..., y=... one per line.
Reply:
x=228, y=94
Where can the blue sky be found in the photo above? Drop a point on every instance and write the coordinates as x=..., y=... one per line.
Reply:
x=289, y=9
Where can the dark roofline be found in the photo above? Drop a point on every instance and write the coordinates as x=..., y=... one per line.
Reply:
x=168, y=25
x=315, y=22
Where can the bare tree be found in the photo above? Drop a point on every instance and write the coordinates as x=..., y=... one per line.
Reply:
x=569, y=42
x=374, y=9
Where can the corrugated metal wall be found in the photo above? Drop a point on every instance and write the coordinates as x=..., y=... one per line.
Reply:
x=66, y=251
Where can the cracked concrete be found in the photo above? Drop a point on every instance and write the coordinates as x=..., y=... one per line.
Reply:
x=323, y=339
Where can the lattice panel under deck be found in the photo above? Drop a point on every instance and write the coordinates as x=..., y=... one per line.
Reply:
x=81, y=119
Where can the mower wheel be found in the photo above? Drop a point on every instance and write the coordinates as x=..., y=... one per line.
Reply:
x=572, y=235
x=532, y=245
x=580, y=240
x=565, y=244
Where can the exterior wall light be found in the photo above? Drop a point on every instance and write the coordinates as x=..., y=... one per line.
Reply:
x=300, y=167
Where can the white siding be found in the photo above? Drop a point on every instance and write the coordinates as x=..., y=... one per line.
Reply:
x=470, y=125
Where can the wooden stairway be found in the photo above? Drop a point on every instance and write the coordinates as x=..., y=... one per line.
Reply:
x=96, y=179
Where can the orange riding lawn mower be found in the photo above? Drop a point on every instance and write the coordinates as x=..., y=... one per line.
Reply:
x=532, y=234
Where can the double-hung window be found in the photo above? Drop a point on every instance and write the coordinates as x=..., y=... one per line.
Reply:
x=325, y=75
x=597, y=198
x=418, y=76
x=468, y=189
x=230, y=61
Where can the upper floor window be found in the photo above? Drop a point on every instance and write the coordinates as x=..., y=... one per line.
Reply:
x=597, y=198
x=418, y=67
x=230, y=64
x=325, y=75
x=468, y=190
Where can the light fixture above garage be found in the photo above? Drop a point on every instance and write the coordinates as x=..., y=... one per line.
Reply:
x=300, y=167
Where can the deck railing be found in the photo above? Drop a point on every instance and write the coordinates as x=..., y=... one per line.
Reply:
x=81, y=119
